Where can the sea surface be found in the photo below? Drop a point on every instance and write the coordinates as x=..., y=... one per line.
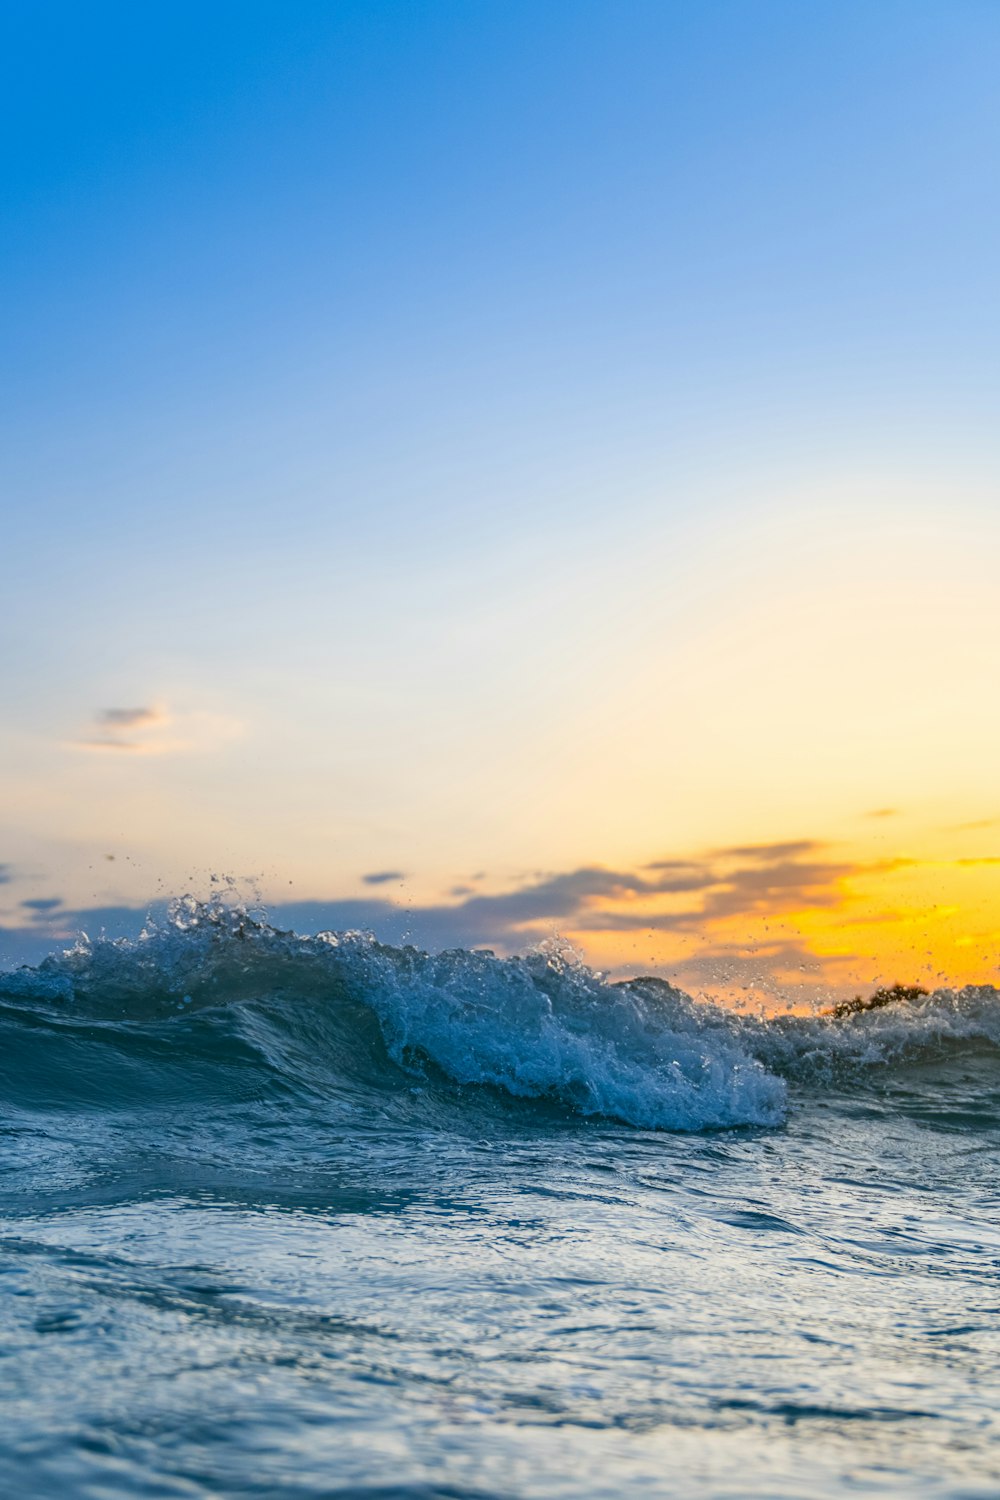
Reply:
x=314, y=1216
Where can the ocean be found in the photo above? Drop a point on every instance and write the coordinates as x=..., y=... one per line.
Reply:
x=316, y=1216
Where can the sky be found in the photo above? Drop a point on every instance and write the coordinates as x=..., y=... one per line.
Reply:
x=505, y=472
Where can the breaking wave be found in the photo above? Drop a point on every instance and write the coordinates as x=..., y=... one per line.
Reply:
x=214, y=1002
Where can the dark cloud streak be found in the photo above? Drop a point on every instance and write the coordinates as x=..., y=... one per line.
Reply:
x=128, y=718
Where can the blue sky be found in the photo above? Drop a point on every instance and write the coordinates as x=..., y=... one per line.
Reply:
x=430, y=414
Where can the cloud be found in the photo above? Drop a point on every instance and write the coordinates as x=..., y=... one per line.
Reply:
x=155, y=731
x=760, y=967
x=577, y=892
x=770, y=852
x=43, y=903
x=778, y=882
x=130, y=731
x=5, y=875
x=751, y=892
x=758, y=889
x=130, y=718
x=383, y=877
x=593, y=899
x=883, y=812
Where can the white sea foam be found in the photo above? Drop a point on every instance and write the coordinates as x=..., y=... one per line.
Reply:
x=546, y=1025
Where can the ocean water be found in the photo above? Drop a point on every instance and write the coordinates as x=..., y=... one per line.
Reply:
x=305, y=1217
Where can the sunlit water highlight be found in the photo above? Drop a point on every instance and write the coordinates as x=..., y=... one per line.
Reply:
x=316, y=1217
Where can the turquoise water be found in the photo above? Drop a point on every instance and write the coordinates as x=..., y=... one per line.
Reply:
x=316, y=1217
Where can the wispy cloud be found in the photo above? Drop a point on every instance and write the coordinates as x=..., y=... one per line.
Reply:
x=383, y=877
x=771, y=879
x=129, y=731
x=780, y=885
x=130, y=718
x=153, y=730
x=766, y=853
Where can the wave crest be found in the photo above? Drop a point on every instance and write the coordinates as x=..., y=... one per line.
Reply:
x=214, y=986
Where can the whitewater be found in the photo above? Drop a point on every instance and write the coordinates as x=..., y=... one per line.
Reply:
x=311, y=1216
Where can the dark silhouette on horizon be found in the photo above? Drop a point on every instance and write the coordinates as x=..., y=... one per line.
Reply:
x=892, y=994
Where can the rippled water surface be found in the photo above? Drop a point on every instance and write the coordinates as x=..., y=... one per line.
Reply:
x=315, y=1217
